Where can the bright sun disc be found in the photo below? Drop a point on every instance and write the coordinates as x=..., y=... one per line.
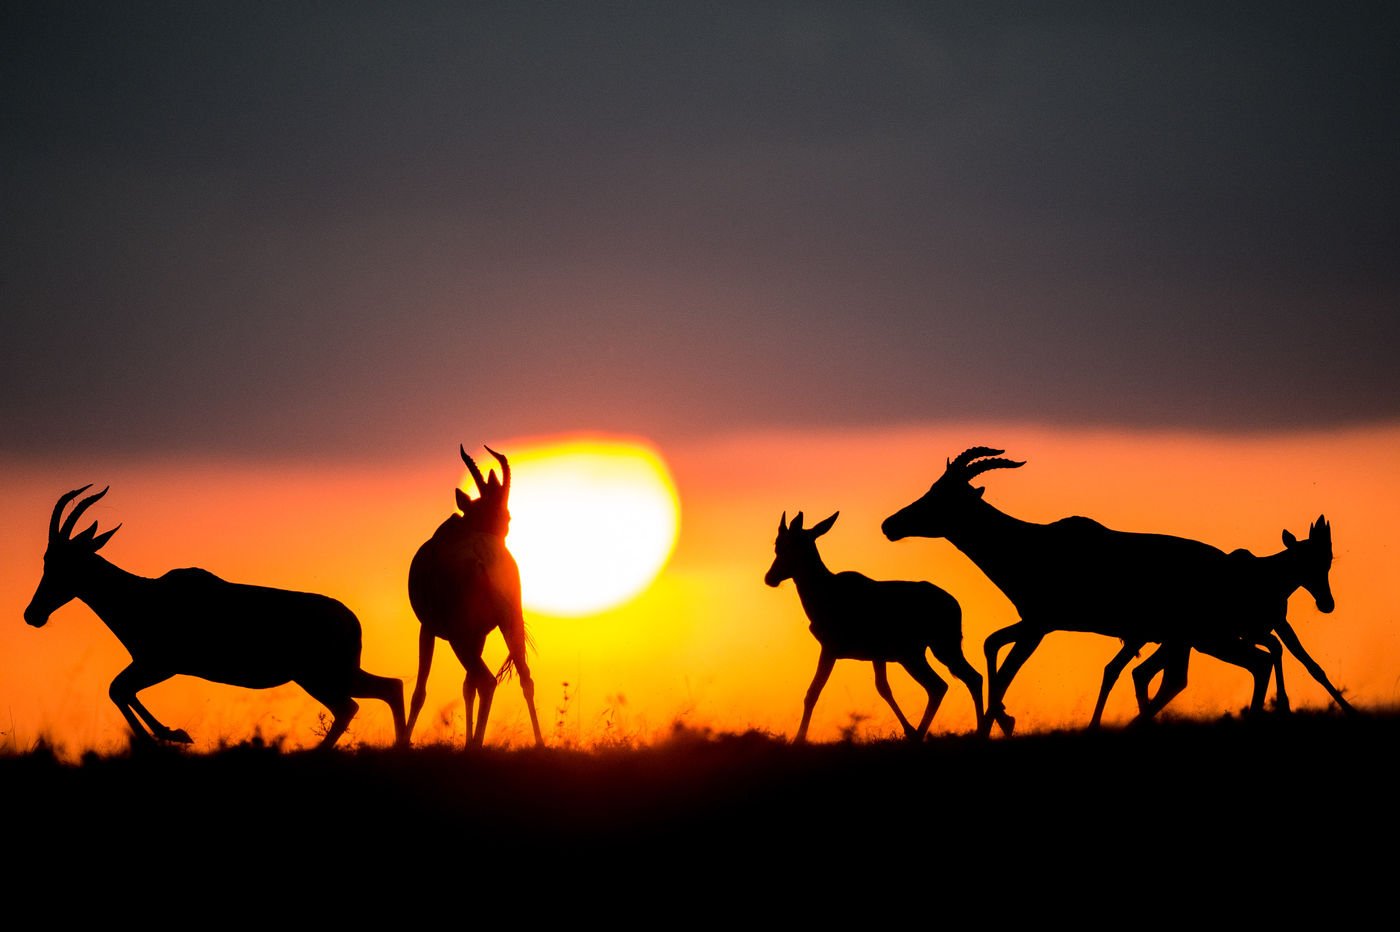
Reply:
x=592, y=522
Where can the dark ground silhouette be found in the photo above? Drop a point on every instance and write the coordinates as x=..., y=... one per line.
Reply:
x=1228, y=819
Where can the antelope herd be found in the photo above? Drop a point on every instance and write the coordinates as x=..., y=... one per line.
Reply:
x=1070, y=575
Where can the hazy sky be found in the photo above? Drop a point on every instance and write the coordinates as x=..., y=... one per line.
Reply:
x=359, y=229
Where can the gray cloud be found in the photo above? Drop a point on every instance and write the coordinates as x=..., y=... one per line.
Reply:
x=275, y=231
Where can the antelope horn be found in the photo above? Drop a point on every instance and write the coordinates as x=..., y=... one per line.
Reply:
x=471, y=468
x=78, y=510
x=101, y=539
x=505, y=469
x=981, y=466
x=967, y=456
x=63, y=501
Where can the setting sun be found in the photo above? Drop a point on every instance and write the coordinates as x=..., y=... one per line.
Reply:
x=592, y=523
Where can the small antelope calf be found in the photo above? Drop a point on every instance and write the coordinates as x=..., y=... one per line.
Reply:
x=858, y=618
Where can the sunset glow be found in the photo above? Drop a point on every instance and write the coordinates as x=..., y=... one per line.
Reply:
x=267, y=267
x=592, y=523
x=707, y=644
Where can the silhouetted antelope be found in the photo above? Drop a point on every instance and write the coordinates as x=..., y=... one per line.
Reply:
x=859, y=618
x=192, y=622
x=463, y=583
x=1256, y=608
x=1077, y=575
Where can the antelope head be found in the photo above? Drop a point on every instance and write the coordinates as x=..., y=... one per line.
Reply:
x=948, y=499
x=1315, y=556
x=795, y=547
x=65, y=558
x=489, y=512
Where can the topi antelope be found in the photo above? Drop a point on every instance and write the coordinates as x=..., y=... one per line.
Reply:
x=1077, y=575
x=1257, y=608
x=463, y=583
x=858, y=618
x=192, y=622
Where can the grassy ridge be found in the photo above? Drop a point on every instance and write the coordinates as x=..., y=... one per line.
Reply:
x=1230, y=805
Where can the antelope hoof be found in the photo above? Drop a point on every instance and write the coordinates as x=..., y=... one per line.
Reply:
x=176, y=736
x=1007, y=723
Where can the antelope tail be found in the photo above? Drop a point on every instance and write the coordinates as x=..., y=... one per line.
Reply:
x=503, y=674
x=507, y=668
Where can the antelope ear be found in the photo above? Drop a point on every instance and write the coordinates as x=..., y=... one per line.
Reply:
x=1289, y=540
x=823, y=526
x=796, y=524
x=782, y=523
x=463, y=501
x=101, y=539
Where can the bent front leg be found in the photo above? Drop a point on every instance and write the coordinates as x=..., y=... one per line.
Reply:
x=1027, y=638
x=123, y=692
x=1173, y=661
x=824, y=664
x=1155, y=663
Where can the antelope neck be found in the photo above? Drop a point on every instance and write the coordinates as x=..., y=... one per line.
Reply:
x=983, y=535
x=1280, y=572
x=104, y=588
x=811, y=568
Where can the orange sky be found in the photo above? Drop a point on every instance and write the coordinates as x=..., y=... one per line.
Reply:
x=708, y=643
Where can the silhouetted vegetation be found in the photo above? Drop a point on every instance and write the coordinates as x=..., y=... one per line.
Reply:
x=1218, y=804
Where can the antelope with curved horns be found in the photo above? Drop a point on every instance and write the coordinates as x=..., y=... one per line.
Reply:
x=1077, y=575
x=859, y=618
x=463, y=583
x=192, y=622
x=1258, y=609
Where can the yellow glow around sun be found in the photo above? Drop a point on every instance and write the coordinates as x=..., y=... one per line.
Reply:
x=592, y=522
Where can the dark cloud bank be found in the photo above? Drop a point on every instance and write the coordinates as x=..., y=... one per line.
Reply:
x=269, y=232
